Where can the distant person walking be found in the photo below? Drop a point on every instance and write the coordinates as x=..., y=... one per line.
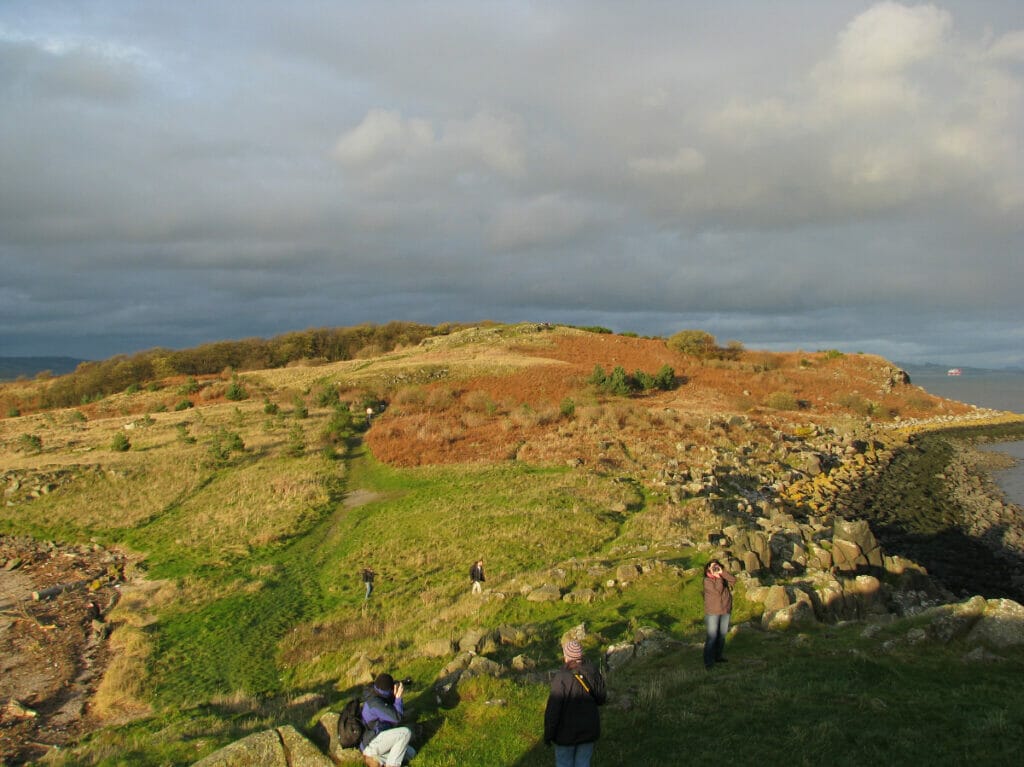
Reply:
x=571, y=719
x=717, y=609
x=368, y=576
x=476, y=575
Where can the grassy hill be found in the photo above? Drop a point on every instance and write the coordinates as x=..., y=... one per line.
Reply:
x=249, y=502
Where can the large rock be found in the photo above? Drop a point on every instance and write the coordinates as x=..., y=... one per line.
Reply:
x=951, y=622
x=545, y=593
x=280, y=747
x=1001, y=625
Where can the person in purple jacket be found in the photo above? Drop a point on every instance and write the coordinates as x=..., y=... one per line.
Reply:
x=717, y=609
x=385, y=741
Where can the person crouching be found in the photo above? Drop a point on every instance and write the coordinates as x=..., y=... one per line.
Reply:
x=385, y=741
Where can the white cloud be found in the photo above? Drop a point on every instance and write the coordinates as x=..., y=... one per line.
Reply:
x=543, y=220
x=686, y=161
x=383, y=138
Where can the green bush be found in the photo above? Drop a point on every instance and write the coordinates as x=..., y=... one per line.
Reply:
x=236, y=392
x=270, y=408
x=300, y=410
x=567, y=408
x=191, y=386
x=696, y=343
x=30, y=443
x=184, y=404
x=296, y=447
x=13, y=412
x=327, y=396
x=120, y=442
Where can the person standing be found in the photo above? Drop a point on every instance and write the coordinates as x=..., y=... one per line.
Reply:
x=572, y=721
x=385, y=741
x=717, y=608
x=368, y=576
x=476, y=575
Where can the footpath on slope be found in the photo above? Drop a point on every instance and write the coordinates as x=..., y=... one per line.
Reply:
x=53, y=599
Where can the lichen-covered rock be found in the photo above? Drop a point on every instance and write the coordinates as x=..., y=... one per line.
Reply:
x=545, y=593
x=280, y=747
x=1000, y=626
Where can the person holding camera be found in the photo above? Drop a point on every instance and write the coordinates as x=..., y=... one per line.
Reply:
x=571, y=719
x=717, y=609
x=385, y=742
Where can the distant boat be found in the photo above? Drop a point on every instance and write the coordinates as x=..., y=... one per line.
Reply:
x=954, y=372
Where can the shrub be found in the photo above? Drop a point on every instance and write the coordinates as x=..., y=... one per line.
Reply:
x=270, y=408
x=567, y=408
x=327, y=396
x=296, y=446
x=133, y=389
x=191, y=386
x=696, y=343
x=120, y=442
x=183, y=435
x=13, y=412
x=184, y=404
x=480, y=402
x=76, y=416
x=30, y=443
x=236, y=392
x=781, y=400
x=223, y=443
x=300, y=410
x=832, y=354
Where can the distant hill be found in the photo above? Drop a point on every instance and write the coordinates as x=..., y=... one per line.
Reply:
x=12, y=368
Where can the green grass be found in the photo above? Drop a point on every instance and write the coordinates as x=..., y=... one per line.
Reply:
x=270, y=608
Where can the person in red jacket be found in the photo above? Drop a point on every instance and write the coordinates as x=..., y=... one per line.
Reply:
x=571, y=719
x=717, y=609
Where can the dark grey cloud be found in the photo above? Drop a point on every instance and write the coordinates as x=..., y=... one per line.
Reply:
x=796, y=174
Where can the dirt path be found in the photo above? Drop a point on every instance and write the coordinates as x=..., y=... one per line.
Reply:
x=52, y=649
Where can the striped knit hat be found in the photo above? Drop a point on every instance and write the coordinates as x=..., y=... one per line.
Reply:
x=572, y=650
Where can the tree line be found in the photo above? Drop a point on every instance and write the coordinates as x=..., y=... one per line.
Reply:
x=94, y=380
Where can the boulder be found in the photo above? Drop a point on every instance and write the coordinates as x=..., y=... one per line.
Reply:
x=580, y=596
x=951, y=622
x=1000, y=626
x=545, y=593
x=280, y=747
x=471, y=640
x=436, y=648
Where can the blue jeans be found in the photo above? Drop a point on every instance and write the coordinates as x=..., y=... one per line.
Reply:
x=714, y=645
x=573, y=756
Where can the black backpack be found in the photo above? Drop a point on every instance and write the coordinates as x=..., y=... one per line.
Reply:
x=350, y=724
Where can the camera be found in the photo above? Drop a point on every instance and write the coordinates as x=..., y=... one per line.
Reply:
x=407, y=682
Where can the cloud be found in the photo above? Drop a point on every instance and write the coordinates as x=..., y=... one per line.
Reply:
x=385, y=141
x=673, y=165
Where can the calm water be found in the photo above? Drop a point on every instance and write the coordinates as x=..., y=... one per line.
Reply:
x=1002, y=391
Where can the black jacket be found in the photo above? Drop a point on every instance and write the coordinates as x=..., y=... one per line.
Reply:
x=571, y=715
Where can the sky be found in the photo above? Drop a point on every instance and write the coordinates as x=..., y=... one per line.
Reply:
x=790, y=175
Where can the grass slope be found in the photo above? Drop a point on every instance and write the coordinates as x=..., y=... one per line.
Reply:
x=257, y=616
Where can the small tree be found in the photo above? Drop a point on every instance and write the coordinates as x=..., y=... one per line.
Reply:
x=296, y=442
x=236, y=392
x=696, y=343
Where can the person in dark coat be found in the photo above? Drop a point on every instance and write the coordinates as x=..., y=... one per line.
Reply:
x=385, y=741
x=476, y=575
x=368, y=575
x=717, y=609
x=571, y=718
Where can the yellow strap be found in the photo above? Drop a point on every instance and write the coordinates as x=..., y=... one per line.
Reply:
x=579, y=678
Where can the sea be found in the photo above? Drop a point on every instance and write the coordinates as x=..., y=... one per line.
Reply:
x=1000, y=390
